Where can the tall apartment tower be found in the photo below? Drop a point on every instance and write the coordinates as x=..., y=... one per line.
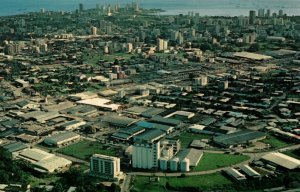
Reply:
x=252, y=17
x=261, y=13
x=93, y=30
x=81, y=8
x=106, y=167
x=162, y=44
x=280, y=14
x=268, y=14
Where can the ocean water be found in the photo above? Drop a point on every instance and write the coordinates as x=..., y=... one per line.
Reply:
x=173, y=7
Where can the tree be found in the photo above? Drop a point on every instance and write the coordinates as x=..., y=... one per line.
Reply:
x=254, y=47
x=58, y=187
x=206, y=46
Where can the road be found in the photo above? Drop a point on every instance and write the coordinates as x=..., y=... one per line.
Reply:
x=126, y=183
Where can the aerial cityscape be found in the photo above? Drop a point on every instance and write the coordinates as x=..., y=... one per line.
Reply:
x=124, y=98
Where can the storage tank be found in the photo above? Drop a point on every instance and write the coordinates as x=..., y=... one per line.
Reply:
x=185, y=165
x=174, y=164
x=163, y=164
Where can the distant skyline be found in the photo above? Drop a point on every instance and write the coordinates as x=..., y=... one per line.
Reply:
x=204, y=7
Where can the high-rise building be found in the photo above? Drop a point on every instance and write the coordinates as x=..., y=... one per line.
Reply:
x=93, y=30
x=109, y=13
x=261, y=13
x=106, y=167
x=44, y=47
x=280, y=13
x=81, y=8
x=162, y=44
x=268, y=14
x=129, y=47
x=252, y=17
x=146, y=155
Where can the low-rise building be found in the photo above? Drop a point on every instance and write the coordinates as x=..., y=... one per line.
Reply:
x=61, y=139
x=43, y=161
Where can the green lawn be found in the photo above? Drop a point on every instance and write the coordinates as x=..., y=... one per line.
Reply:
x=199, y=181
x=84, y=149
x=186, y=138
x=212, y=161
x=293, y=153
x=275, y=142
x=140, y=182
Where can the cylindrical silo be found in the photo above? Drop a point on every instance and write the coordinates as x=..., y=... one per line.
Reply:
x=185, y=165
x=163, y=164
x=174, y=164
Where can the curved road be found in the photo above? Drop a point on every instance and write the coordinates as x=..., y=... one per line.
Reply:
x=253, y=156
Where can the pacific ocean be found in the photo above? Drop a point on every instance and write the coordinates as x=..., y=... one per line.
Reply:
x=203, y=7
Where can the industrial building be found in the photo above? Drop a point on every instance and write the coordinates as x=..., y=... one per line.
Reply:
x=281, y=160
x=146, y=149
x=71, y=125
x=165, y=128
x=235, y=174
x=183, y=161
x=62, y=139
x=106, y=167
x=43, y=161
x=101, y=103
x=15, y=146
x=239, y=138
x=119, y=121
x=128, y=133
x=249, y=171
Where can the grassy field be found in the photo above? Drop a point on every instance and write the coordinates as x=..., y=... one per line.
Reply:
x=275, y=142
x=212, y=161
x=140, y=182
x=293, y=153
x=200, y=181
x=84, y=149
x=187, y=138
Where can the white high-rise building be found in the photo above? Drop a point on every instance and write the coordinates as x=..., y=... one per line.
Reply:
x=93, y=30
x=44, y=47
x=146, y=155
x=105, y=166
x=204, y=80
x=162, y=44
x=129, y=47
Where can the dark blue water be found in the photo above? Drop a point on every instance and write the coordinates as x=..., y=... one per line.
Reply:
x=204, y=7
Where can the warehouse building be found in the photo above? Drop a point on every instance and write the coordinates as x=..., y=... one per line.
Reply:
x=235, y=174
x=43, y=161
x=15, y=147
x=127, y=133
x=166, y=121
x=71, y=125
x=165, y=128
x=239, y=138
x=249, y=171
x=281, y=160
x=62, y=139
x=119, y=121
